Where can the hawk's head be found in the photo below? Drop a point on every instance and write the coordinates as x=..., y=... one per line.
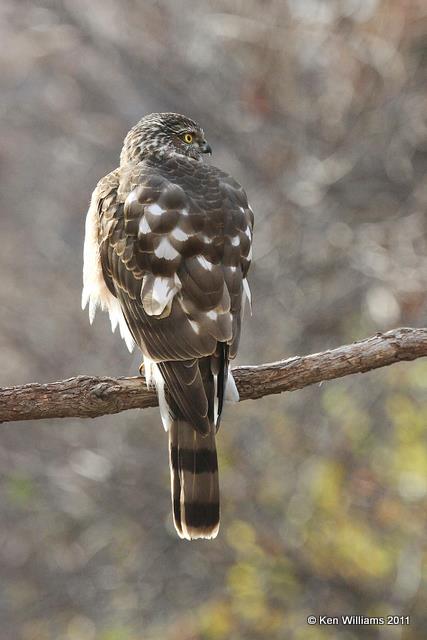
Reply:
x=165, y=133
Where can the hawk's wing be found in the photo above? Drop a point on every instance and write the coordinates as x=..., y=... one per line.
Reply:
x=175, y=247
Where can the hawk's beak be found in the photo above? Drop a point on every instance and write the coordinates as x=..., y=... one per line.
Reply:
x=205, y=148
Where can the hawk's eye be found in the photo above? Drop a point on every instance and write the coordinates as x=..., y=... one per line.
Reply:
x=188, y=138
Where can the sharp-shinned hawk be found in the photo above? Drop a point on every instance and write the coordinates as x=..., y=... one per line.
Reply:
x=167, y=250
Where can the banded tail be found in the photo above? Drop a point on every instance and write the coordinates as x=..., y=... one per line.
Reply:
x=194, y=481
x=191, y=395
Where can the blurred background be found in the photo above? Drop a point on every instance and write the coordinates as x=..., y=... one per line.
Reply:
x=319, y=109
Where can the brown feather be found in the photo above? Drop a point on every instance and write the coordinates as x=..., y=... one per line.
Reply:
x=174, y=239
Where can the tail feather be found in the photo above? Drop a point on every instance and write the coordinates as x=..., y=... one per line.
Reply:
x=191, y=395
x=194, y=481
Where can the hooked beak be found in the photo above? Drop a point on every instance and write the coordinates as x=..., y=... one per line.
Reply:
x=205, y=148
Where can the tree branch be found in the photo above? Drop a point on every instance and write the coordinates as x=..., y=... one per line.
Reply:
x=89, y=397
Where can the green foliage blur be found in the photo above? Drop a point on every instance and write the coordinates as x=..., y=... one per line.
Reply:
x=319, y=109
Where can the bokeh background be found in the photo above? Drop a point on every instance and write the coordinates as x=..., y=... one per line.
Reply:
x=320, y=109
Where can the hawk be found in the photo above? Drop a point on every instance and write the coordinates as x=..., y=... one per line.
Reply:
x=166, y=253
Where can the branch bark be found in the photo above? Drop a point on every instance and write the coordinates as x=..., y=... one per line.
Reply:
x=89, y=397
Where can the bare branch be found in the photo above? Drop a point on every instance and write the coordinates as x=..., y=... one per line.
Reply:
x=89, y=397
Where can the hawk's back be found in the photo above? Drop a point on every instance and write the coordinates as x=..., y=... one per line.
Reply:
x=173, y=242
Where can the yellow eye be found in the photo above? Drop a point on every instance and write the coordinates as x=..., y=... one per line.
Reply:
x=188, y=138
